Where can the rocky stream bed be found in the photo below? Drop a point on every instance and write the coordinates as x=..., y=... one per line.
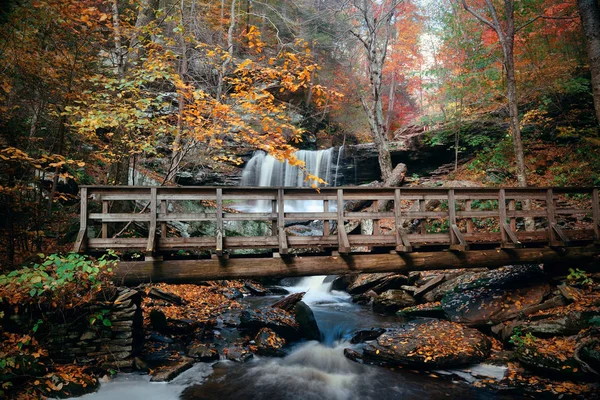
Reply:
x=507, y=333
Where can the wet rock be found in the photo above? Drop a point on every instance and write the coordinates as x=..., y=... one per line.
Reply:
x=342, y=282
x=307, y=322
x=553, y=357
x=276, y=319
x=238, y=354
x=288, y=303
x=435, y=281
x=489, y=306
x=365, y=298
x=425, y=310
x=202, y=352
x=169, y=372
x=268, y=343
x=392, y=300
x=255, y=288
x=505, y=277
x=563, y=325
x=364, y=282
x=353, y=355
x=232, y=293
x=366, y=335
x=160, y=338
x=158, y=321
x=158, y=294
x=277, y=290
x=431, y=345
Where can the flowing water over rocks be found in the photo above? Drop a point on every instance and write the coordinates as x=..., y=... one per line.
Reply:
x=308, y=370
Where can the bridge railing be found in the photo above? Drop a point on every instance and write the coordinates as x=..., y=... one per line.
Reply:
x=150, y=219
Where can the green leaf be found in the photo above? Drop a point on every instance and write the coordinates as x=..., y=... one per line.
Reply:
x=106, y=322
x=32, y=292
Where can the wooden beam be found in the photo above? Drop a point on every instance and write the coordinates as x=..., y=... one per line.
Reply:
x=152, y=228
x=343, y=243
x=564, y=240
x=283, y=244
x=514, y=241
x=80, y=242
x=132, y=273
x=402, y=243
x=468, y=208
x=104, y=234
x=461, y=244
x=326, y=224
x=219, y=230
x=551, y=212
x=163, y=225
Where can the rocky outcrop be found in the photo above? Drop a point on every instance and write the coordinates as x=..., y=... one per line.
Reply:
x=489, y=306
x=276, y=319
x=432, y=344
x=392, y=300
x=268, y=343
x=307, y=322
x=377, y=282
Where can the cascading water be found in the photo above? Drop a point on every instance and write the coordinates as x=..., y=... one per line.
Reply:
x=265, y=170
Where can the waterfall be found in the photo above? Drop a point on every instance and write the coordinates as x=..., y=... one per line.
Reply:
x=265, y=170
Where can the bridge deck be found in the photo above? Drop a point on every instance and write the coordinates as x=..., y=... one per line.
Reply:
x=429, y=220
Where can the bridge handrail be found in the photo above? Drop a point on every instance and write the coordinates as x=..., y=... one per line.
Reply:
x=456, y=207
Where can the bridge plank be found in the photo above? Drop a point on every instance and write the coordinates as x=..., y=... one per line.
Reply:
x=402, y=243
x=80, y=242
x=152, y=228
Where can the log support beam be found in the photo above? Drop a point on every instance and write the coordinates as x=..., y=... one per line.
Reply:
x=189, y=271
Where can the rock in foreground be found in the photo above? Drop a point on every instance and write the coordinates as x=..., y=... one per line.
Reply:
x=431, y=345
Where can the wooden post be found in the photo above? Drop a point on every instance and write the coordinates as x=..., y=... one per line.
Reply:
x=343, y=242
x=596, y=214
x=152, y=228
x=423, y=220
x=513, y=220
x=326, y=227
x=554, y=232
x=274, y=222
x=163, y=225
x=469, y=207
x=104, y=224
x=283, y=245
x=508, y=237
x=457, y=241
x=502, y=214
x=219, y=230
x=376, y=230
x=80, y=243
x=402, y=243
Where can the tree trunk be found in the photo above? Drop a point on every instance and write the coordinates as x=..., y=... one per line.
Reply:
x=511, y=87
x=589, y=10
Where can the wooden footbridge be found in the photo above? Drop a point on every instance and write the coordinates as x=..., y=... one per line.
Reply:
x=412, y=229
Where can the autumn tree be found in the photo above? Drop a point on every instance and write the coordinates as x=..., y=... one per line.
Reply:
x=589, y=11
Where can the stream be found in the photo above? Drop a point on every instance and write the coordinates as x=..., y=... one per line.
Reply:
x=310, y=370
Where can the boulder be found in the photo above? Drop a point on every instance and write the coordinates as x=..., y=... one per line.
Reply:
x=505, y=277
x=364, y=298
x=169, y=372
x=255, y=288
x=342, y=282
x=288, y=303
x=432, y=344
x=553, y=325
x=553, y=357
x=425, y=310
x=392, y=300
x=202, y=352
x=489, y=306
x=364, y=282
x=276, y=319
x=307, y=322
x=366, y=335
x=232, y=293
x=238, y=354
x=268, y=343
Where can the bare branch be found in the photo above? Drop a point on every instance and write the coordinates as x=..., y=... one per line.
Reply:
x=480, y=17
